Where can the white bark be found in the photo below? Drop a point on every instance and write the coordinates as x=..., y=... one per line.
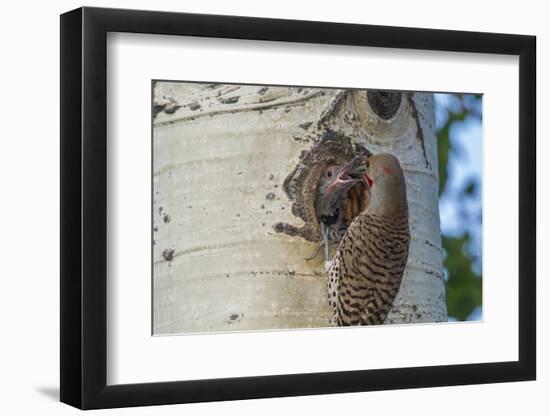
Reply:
x=219, y=265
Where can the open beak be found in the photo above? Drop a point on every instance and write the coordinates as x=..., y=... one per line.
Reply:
x=349, y=175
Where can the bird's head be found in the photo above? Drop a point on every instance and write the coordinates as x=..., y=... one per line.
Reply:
x=384, y=177
x=335, y=182
x=346, y=177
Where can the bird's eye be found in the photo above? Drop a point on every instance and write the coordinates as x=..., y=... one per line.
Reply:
x=329, y=174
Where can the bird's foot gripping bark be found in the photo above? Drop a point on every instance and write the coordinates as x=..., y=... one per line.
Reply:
x=324, y=243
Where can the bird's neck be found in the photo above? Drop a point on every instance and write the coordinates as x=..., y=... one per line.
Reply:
x=387, y=205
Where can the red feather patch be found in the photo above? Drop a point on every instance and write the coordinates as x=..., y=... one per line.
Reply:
x=389, y=170
x=368, y=179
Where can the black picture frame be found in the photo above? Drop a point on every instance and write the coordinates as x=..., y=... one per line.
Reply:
x=84, y=207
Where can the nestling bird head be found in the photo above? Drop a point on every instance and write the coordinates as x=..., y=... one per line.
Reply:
x=341, y=195
x=334, y=185
x=382, y=176
x=328, y=206
x=342, y=180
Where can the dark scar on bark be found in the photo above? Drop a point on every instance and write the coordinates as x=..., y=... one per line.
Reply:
x=384, y=103
x=334, y=106
x=419, y=132
x=300, y=186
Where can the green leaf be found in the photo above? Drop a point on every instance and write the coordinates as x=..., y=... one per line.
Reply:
x=444, y=147
x=464, y=289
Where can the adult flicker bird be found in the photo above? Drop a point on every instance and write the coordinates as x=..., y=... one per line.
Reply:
x=366, y=272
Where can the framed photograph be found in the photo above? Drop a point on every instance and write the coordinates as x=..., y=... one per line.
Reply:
x=256, y=208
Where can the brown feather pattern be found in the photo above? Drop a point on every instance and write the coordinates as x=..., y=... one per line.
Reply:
x=366, y=272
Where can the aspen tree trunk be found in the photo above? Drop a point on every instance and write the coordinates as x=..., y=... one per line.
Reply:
x=221, y=155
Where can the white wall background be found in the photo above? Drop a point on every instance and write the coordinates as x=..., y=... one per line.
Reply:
x=29, y=111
